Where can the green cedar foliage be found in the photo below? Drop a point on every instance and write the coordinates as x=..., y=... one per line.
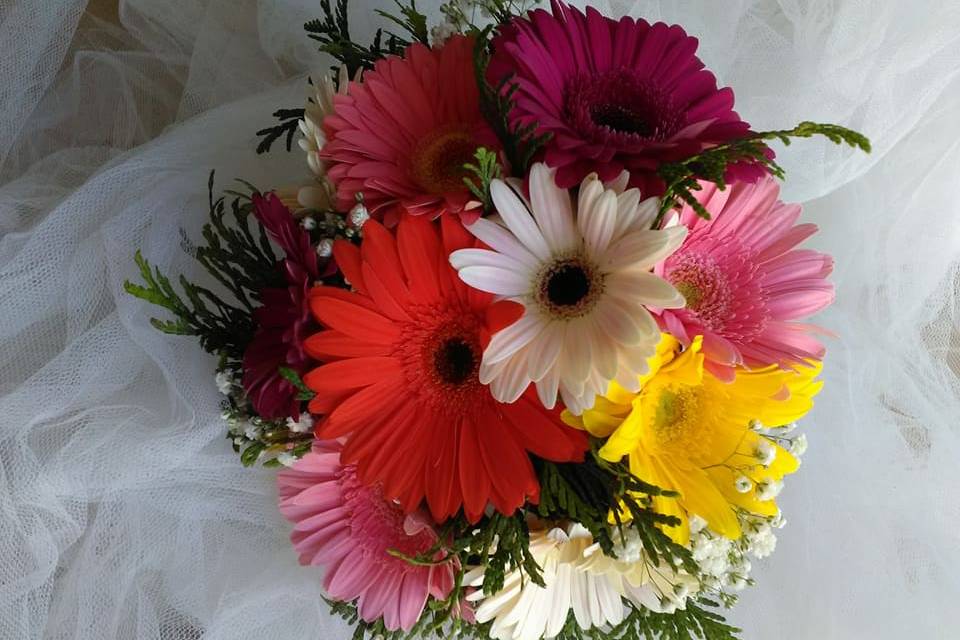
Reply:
x=681, y=176
x=244, y=263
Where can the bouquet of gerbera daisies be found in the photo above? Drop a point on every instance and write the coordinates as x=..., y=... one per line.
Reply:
x=529, y=345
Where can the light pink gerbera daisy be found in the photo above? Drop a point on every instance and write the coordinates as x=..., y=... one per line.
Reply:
x=402, y=136
x=349, y=528
x=744, y=282
x=615, y=94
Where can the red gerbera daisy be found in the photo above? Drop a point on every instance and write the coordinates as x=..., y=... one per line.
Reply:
x=402, y=136
x=401, y=380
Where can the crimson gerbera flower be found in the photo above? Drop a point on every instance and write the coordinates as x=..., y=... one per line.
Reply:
x=401, y=380
x=615, y=94
x=402, y=136
x=283, y=320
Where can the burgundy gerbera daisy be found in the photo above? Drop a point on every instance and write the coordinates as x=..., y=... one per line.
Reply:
x=284, y=320
x=615, y=95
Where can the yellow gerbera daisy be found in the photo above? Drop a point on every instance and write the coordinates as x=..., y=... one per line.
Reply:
x=689, y=432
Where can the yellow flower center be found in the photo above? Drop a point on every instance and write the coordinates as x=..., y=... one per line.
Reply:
x=691, y=293
x=677, y=421
x=438, y=159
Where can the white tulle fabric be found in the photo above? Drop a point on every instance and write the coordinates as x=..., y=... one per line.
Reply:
x=126, y=515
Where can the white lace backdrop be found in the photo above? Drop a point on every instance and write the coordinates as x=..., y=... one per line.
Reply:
x=126, y=515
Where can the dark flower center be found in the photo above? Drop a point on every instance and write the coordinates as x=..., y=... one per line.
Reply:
x=621, y=118
x=567, y=285
x=455, y=361
x=437, y=162
x=619, y=106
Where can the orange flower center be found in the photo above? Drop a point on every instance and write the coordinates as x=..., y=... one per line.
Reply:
x=438, y=159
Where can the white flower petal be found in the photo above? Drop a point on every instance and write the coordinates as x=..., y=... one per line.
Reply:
x=513, y=380
x=598, y=222
x=646, y=288
x=535, y=622
x=576, y=359
x=590, y=190
x=552, y=208
x=518, y=219
x=545, y=350
x=580, y=599
x=511, y=339
x=604, y=351
x=489, y=371
x=619, y=184
x=501, y=240
x=560, y=606
x=627, y=211
x=646, y=213
x=572, y=399
x=617, y=321
x=495, y=280
x=628, y=379
x=547, y=387
x=643, y=249
x=484, y=257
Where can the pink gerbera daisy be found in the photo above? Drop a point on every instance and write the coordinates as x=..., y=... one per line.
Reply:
x=402, y=136
x=614, y=94
x=349, y=528
x=744, y=282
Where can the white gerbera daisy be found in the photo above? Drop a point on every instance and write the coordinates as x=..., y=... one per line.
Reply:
x=578, y=577
x=584, y=280
x=320, y=194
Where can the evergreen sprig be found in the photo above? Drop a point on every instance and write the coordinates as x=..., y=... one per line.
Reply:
x=595, y=492
x=410, y=20
x=486, y=170
x=681, y=177
x=697, y=620
x=332, y=31
x=521, y=142
x=289, y=123
x=304, y=393
x=220, y=327
x=243, y=263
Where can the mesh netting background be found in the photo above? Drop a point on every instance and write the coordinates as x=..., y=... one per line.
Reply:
x=123, y=511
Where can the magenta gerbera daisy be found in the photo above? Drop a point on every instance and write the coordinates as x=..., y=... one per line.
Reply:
x=744, y=281
x=350, y=528
x=614, y=94
x=402, y=136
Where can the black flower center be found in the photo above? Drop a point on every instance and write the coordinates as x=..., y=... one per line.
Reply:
x=455, y=361
x=620, y=106
x=568, y=285
x=621, y=118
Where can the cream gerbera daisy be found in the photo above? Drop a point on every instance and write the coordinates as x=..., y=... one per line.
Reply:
x=583, y=277
x=579, y=577
x=319, y=194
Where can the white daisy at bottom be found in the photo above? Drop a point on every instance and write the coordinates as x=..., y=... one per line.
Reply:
x=578, y=577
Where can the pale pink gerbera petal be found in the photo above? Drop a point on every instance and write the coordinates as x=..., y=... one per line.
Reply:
x=402, y=136
x=745, y=282
x=348, y=528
